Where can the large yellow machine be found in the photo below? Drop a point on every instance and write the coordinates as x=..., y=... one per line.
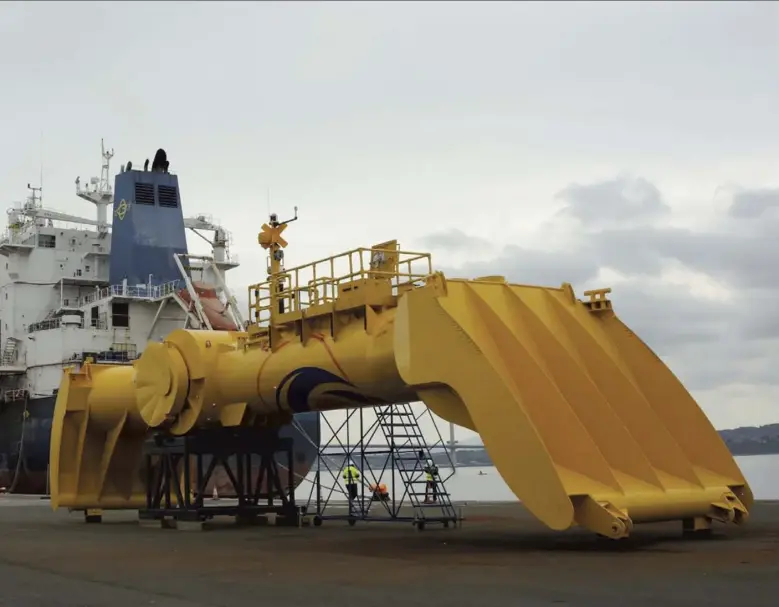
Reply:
x=584, y=422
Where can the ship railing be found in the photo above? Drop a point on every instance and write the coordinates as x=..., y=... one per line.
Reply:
x=148, y=292
x=321, y=281
x=56, y=323
x=167, y=288
x=115, y=355
x=17, y=394
x=45, y=325
x=15, y=236
x=128, y=348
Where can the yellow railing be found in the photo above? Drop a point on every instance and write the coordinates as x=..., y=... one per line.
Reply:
x=319, y=282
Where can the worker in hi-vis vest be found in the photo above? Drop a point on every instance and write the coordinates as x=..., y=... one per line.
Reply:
x=351, y=478
x=431, y=484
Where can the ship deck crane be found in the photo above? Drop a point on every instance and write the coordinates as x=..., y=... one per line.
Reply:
x=221, y=242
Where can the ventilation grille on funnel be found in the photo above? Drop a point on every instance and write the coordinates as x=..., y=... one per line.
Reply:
x=144, y=193
x=168, y=196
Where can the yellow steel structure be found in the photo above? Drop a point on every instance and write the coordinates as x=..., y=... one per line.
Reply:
x=583, y=421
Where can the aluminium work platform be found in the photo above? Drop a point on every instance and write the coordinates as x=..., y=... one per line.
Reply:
x=399, y=462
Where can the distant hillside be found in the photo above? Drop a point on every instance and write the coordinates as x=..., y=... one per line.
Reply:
x=748, y=440
x=752, y=440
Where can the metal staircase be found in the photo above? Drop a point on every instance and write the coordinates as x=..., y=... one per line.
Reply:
x=8, y=356
x=396, y=464
x=411, y=455
x=194, y=320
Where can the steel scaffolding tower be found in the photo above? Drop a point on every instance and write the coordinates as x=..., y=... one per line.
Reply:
x=405, y=464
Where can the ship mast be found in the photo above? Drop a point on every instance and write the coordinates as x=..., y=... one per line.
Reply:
x=35, y=199
x=99, y=190
x=35, y=203
x=270, y=238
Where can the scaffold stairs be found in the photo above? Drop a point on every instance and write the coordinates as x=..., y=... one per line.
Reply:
x=9, y=352
x=411, y=454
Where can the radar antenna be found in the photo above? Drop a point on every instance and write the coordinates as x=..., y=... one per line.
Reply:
x=99, y=191
x=35, y=199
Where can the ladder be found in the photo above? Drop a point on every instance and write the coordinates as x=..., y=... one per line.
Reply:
x=9, y=352
x=193, y=321
x=411, y=455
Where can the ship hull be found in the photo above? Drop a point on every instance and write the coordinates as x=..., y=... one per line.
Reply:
x=29, y=424
x=25, y=424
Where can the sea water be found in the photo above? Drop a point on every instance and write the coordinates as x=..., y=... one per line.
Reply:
x=486, y=484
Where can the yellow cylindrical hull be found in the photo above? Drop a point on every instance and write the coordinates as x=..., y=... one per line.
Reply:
x=202, y=377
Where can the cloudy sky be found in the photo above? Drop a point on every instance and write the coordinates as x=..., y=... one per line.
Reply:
x=626, y=145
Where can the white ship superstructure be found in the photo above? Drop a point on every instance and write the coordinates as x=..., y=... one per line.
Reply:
x=58, y=307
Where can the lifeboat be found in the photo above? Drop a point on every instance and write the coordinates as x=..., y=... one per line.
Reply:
x=216, y=311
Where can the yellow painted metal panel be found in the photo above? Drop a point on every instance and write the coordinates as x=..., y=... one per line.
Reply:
x=570, y=405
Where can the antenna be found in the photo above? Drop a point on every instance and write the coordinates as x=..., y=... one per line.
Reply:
x=99, y=190
x=40, y=180
x=274, y=221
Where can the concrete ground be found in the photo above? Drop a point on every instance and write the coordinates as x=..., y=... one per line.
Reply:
x=501, y=556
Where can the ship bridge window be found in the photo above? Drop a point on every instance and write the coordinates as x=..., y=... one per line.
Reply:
x=168, y=196
x=47, y=241
x=144, y=193
x=120, y=314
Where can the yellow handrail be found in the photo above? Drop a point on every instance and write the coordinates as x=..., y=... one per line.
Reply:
x=322, y=283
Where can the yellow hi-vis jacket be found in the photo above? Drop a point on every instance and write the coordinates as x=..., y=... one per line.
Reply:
x=351, y=475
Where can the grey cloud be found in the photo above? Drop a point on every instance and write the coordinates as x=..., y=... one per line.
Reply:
x=708, y=342
x=703, y=340
x=753, y=203
x=666, y=317
x=761, y=315
x=630, y=250
x=454, y=240
x=739, y=260
x=619, y=199
x=744, y=260
x=724, y=362
x=529, y=266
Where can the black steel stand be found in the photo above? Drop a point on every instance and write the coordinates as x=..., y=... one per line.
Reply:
x=173, y=493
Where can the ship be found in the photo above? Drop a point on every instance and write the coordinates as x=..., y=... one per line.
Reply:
x=75, y=290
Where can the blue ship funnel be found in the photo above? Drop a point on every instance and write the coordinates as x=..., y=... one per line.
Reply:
x=148, y=228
